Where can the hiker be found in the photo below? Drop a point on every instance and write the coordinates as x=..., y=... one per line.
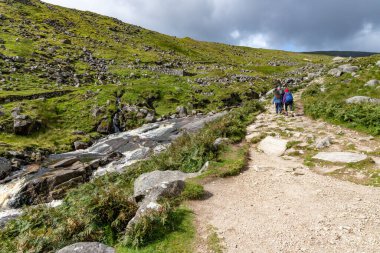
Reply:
x=287, y=100
x=277, y=101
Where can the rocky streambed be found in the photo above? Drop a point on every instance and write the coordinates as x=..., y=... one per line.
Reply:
x=48, y=182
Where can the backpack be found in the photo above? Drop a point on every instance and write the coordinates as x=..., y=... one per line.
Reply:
x=288, y=97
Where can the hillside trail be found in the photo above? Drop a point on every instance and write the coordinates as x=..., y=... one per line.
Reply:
x=280, y=205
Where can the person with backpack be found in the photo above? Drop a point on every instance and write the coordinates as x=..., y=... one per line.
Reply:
x=277, y=101
x=288, y=100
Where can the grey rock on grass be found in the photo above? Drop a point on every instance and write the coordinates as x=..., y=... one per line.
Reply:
x=362, y=99
x=348, y=68
x=372, y=83
x=335, y=72
x=87, y=247
x=341, y=157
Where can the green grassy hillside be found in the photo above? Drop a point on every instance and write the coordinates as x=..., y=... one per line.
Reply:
x=95, y=60
x=327, y=99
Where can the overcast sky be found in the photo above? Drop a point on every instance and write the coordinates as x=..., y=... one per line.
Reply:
x=295, y=25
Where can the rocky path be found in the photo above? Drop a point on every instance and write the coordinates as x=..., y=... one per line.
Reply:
x=281, y=205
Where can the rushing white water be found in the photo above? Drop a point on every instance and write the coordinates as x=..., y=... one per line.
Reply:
x=8, y=190
x=129, y=158
x=135, y=145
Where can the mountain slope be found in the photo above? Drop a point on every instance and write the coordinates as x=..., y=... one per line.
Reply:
x=88, y=71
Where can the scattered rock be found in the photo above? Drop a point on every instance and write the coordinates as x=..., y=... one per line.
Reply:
x=335, y=72
x=5, y=168
x=79, y=132
x=23, y=125
x=323, y=143
x=182, y=111
x=362, y=99
x=87, y=247
x=339, y=59
x=273, y=146
x=348, y=68
x=372, y=83
x=220, y=141
x=104, y=127
x=80, y=145
x=342, y=157
x=66, y=42
x=150, y=118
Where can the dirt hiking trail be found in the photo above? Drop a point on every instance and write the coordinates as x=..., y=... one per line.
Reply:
x=280, y=205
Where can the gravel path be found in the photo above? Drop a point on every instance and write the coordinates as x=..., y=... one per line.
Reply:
x=279, y=205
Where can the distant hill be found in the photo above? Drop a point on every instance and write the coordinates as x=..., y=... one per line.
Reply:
x=343, y=53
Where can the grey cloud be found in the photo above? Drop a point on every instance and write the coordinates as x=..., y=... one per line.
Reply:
x=281, y=24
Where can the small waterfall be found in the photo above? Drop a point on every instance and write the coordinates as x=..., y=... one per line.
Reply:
x=115, y=119
x=8, y=190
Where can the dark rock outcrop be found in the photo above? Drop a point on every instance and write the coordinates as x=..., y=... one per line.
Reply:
x=52, y=185
x=5, y=168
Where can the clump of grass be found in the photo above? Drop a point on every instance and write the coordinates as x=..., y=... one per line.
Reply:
x=231, y=161
x=193, y=191
x=178, y=233
x=214, y=243
x=292, y=144
x=259, y=138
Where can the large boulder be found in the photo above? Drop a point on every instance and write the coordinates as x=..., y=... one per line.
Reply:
x=378, y=63
x=335, y=72
x=148, y=181
x=372, y=83
x=87, y=247
x=5, y=168
x=341, y=157
x=273, y=146
x=348, y=68
x=152, y=186
x=362, y=99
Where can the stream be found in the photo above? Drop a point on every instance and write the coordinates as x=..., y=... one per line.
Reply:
x=131, y=146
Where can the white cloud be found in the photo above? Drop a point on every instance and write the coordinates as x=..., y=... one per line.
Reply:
x=258, y=40
x=235, y=34
x=367, y=38
x=321, y=25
